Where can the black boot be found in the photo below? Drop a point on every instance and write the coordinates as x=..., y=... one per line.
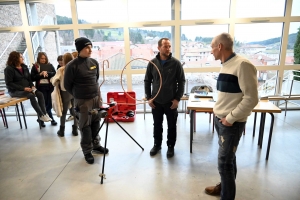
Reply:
x=61, y=131
x=74, y=130
x=41, y=122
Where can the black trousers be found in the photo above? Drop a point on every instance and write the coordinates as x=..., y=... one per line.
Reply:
x=158, y=117
x=47, y=90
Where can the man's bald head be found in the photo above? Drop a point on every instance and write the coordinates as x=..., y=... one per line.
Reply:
x=225, y=39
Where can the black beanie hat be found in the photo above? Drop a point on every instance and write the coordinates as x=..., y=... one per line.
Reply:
x=82, y=42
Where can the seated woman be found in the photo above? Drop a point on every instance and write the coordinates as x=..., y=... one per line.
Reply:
x=19, y=84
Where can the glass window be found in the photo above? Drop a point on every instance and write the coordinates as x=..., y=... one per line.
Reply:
x=295, y=8
x=260, y=8
x=290, y=85
x=267, y=80
x=143, y=44
x=54, y=43
x=48, y=12
x=195, y=45
x=108, y=44
x=101, y=11
x=191, y=9
x=294, y=33
x=142, y=10
x=262, y=48
x=12, y=42
x=12, y=12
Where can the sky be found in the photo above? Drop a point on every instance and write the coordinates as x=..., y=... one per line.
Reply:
x=101, y=12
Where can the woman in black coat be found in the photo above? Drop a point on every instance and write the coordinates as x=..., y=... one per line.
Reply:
x=41, y=72
x=19, y=84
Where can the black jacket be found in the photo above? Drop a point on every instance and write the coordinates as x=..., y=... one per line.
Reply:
x=81, y=78
x=15, y=80
x=173, y=80
x=35, y=75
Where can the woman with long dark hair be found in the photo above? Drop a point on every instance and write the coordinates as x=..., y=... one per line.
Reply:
x=41, y=72
x=19, y=84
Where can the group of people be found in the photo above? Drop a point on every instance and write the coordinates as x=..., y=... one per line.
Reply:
x=77, y=79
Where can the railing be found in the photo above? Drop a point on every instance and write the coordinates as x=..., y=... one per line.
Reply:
x=8, y=44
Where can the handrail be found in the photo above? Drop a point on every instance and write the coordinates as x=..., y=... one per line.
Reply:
x=8, y=44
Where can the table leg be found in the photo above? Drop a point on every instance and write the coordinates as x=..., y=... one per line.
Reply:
x=254, y=125
x=3, y=109
x=270, y=135
x=261, y=132
x=19, y=115
x=192, y=113
x=24, y=118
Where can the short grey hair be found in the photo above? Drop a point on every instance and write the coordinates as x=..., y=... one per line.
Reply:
x=225, y=39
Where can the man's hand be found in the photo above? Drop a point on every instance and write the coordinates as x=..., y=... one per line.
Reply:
x=224, y=122
x=151, y=104
x=27, y=89
x=174, y=104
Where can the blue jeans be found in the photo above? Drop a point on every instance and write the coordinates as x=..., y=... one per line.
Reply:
x=229, y=137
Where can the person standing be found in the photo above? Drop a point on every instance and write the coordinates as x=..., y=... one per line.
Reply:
x=19, y=84
x=173, y=80
x=237, y=96
x=62, y=98
x=41, y=72
x=81, y=80
x=60, y=61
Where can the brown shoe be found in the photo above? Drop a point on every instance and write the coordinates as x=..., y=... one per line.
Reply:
x=213, y=190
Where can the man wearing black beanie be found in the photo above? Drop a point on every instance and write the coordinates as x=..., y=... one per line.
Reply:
x=81, y=80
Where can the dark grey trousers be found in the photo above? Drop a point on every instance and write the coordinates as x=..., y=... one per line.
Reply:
x=38, y=106
x=66, y=98
x=88, y=124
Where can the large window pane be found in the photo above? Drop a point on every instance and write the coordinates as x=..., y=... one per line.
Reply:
x=260, y=8
x=191, y=9
x=267, y=81
x=10, y=15
x=54, y=43
x=142, y=10
x=144, y=44
x=48, y=12
x=12, y=42
x=262, y=48
x=101, y=11
x=108, y=44
x=290, y=53
x=195, y=45
x=296, y=8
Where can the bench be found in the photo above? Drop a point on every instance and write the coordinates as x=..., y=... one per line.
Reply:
x=13, y=102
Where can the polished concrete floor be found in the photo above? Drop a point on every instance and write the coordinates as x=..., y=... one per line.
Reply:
x=37, y=164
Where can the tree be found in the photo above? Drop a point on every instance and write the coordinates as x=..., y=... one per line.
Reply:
x=89, y=33
x=297, y=55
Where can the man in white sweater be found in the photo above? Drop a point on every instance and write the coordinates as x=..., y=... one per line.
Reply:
x=237, y=96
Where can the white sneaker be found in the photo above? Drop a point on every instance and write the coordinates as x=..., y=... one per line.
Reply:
x=47, y=116
x=44, y=118
x=70, y=118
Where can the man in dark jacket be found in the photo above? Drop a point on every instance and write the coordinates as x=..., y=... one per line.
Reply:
x=81, y=80
x=168, y=97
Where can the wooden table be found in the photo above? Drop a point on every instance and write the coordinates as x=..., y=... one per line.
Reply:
x=14, y=102
x=207, y=104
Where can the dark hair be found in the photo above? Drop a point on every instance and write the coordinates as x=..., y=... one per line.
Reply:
x=60, y=58
x=160, y=41
x=13, y=58
x=40, y=54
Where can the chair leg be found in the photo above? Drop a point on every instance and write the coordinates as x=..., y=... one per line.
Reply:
x=2, y=118
x=213, y=126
